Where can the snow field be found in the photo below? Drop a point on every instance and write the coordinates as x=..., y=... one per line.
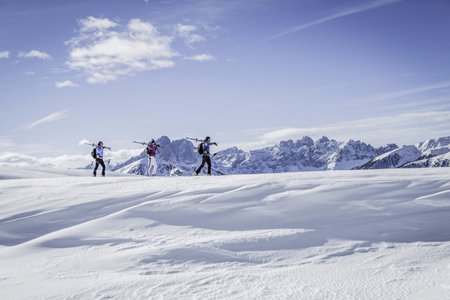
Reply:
x=376, y=234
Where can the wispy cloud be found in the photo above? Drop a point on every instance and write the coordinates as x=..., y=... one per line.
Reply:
x=407, y=128
x=50, y=118
x=407, y=92
x=189, y=34
x=6, y=143
x=201, y=57
x=343, y=12
x=64, y=84
x=4, y=54
x=35, y=54
x=200, y=9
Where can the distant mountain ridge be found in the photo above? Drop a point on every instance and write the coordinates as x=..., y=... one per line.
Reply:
x=179, y=157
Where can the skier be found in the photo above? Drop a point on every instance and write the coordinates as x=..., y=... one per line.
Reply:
x=203, y=149
x=152, y=147
x=99, y=158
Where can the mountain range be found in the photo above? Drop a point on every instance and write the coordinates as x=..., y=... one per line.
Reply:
x=179, y=157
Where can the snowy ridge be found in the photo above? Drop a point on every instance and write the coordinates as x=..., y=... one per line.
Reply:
x=180, y=158
x=350, y=155
x=377, y=234
x=429, y=154
x=443, y=142
x=393, y=159
x=288, y=156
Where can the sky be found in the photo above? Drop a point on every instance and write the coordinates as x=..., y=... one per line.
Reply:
x=247, y=73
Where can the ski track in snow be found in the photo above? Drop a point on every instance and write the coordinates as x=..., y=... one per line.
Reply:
x=378, y=234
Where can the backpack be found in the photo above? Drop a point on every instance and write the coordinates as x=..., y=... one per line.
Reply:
x=94, y=153
x=200, y=148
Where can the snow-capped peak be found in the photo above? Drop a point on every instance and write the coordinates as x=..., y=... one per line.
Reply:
x=434, y=143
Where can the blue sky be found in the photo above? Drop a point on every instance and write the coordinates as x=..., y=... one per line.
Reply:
x=247, y=73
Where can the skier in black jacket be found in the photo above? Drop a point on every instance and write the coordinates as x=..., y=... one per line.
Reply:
x=205, y=155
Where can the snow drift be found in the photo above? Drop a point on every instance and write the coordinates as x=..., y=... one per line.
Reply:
x=375, y=234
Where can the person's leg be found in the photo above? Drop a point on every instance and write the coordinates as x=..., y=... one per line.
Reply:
x=208, y=161
x=149, y=164
x=103, y=166
x=154, y=165
x=202, y=165
x=96, y=167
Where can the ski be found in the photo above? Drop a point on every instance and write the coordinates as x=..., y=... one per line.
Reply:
x=106, y=161
x=146, y=144
x=94, y=145
x=195, y=139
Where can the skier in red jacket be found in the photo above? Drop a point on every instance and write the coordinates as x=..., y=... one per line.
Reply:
x=152, y=148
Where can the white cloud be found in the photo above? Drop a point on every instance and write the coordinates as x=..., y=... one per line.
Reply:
x=201, y=57
x=104, y=54
x=66, y=83
x=408, y=128
x=6, y=143
x=93, y=24
x=83, y=142
x=11, y=159
x=407, y=92
x=35, y=54
x=4, y=54
x=20, y=160
x=122, y=155
x=188, y=34
x=360, y=7
x=104, y=50
x=48, y=119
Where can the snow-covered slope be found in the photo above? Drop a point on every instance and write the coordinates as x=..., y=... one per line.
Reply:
x=174, y=158
x=139, y=167
x=350, y=155
x=34, y=172
x=373, y=234
x=393, y=159
x=435, y=153
x=434, y=161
